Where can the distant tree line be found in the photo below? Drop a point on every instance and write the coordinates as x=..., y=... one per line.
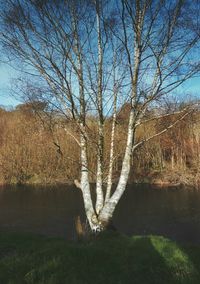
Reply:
x=36, y=148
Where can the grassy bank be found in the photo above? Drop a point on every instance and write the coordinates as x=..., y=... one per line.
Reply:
x=106, y=259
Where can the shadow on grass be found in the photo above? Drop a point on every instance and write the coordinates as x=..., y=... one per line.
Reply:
x=110, y=258
x=193, y=253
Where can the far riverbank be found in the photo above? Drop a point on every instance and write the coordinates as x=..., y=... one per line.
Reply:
x=158, y=179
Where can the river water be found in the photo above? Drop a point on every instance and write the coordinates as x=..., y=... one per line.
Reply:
x=143, y=209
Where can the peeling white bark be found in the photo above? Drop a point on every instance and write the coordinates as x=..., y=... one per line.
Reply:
x=85, y=186
x=99, y=187
x=110, y=170
x=107, y=212
x=99, y=180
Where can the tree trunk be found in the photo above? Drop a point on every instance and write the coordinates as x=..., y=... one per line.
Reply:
x=107, y=211
x=85, y=186
x=110, y=169
x=99, y=179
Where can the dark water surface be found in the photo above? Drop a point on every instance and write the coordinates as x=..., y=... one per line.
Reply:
x=173, y=212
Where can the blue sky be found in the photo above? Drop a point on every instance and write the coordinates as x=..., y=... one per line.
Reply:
x=192, y=85
x=7, y=74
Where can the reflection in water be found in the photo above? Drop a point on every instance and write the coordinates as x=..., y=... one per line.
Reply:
x=173, y=213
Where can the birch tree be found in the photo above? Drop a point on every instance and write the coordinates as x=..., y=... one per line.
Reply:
x=89, y=57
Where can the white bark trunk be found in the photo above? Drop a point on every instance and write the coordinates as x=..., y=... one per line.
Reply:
x=107, y=212
x=110, y=170
x=109, y=207
x=85, y=186
x=99, y=181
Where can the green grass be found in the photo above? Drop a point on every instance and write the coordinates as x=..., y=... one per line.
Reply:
x=109, y=258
